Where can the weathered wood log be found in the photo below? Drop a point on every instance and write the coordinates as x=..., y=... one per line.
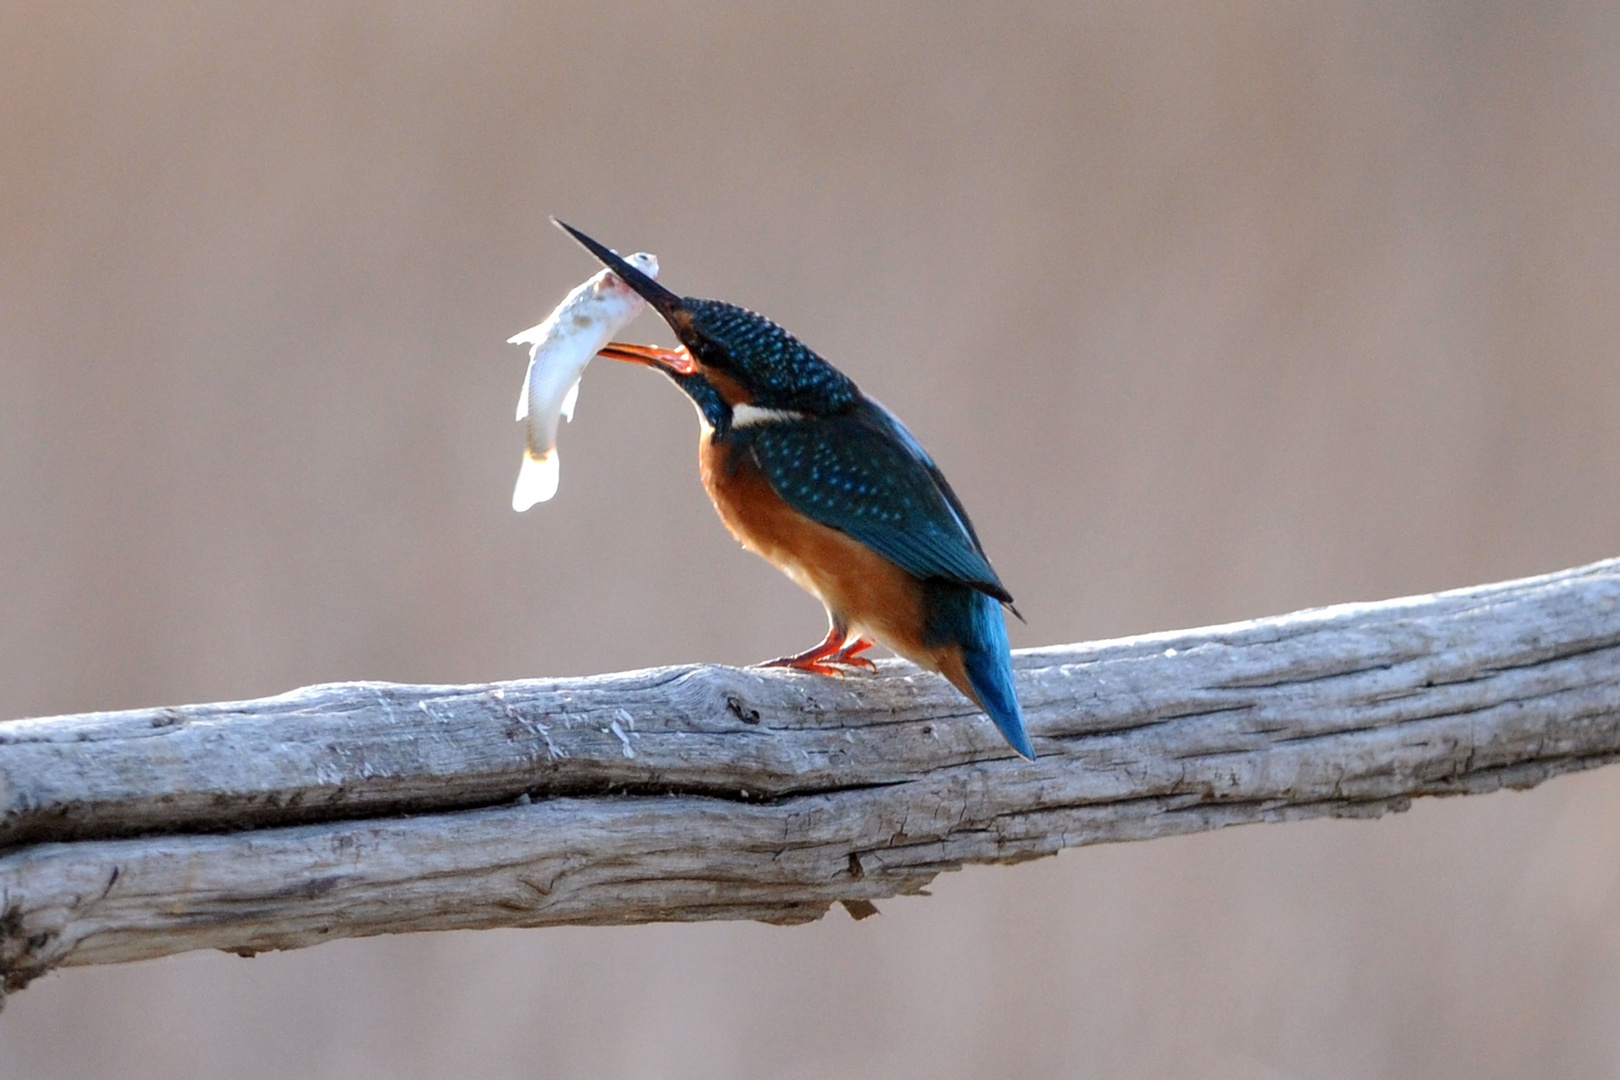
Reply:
x=708, y=792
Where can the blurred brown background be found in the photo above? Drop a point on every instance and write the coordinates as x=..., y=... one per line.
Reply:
x=1209, y=311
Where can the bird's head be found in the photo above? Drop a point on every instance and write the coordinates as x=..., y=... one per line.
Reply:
x=732, y=357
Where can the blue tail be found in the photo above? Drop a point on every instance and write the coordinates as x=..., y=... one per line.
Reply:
x=974, y=620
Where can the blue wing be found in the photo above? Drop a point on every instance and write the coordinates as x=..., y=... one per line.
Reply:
x=863, y=473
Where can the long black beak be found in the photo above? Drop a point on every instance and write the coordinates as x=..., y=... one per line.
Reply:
x=655, y=294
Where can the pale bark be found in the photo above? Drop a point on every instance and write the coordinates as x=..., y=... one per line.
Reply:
x=709, y=792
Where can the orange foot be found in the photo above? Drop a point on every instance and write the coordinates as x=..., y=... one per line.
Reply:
x=830, y=657
x=850, y=655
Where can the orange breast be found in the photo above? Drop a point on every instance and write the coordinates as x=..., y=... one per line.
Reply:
x=859, y=587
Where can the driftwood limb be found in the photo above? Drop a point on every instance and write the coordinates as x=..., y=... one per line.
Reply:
x=717, y=793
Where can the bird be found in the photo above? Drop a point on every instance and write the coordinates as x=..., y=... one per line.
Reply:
x=831, y=488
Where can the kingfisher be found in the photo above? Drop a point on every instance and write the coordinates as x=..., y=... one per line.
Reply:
x=829, y=487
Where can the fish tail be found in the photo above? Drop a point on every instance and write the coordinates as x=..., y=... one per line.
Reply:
x=537, y=479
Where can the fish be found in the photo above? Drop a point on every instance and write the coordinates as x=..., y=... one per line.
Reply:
x=560, y=349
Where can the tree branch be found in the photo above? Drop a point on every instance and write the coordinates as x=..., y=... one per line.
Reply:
x=717, y=793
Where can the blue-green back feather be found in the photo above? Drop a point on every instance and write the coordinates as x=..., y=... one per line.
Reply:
x=862, y=473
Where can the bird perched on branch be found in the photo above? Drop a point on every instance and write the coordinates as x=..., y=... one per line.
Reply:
x=832, y=489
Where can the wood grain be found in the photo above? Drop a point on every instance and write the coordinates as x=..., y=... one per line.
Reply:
x=708, y=792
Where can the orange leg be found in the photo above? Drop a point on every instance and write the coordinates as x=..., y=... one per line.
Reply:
x=835, y=649
x=811, y=659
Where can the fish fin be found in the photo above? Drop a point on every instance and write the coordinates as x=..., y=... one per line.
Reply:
x=531, y=336
x=570, y=399
x=537, y=479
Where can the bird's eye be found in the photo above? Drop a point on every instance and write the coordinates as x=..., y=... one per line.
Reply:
x=717, y=357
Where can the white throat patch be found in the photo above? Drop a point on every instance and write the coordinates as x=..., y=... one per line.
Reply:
x=743, y=416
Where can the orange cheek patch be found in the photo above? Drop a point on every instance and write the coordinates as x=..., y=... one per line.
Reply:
x=730, y=390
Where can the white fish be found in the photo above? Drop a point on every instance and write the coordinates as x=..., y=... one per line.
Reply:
x=562, y=345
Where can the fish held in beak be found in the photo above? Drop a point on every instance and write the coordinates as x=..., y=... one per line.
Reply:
x=560, y=349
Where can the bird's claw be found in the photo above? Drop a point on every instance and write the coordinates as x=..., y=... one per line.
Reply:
x=850, y=655
x=831, y=657
x=793, y=663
